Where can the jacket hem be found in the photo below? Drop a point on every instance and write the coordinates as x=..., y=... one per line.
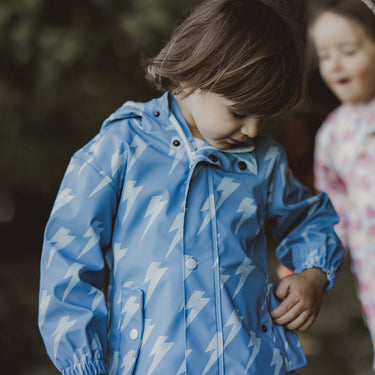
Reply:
x=88, y=368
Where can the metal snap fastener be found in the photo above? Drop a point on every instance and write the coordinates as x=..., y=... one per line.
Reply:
x=242, y=165
x=176, y=143
x=133, y=334
x=264, y=328
x=156, y=113
x=213, y=158
x=191, y=264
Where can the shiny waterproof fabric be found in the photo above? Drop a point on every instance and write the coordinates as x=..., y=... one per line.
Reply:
x=183, y=233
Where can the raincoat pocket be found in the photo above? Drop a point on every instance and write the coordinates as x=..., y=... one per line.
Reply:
x=131, y=327
x=286, y=340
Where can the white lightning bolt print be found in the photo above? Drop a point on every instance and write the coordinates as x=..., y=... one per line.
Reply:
x=43, y=306
x=178, y=152
x=270, y=194
x=73, y=274
x=177, y=226
x=236, y=322
x=103, y=183
x=130, y=194
x=277, y=361
x=70, y=168
x=254, y=342
x=149, y=327
x=93, y=150
x=63, y=326
x=96, y=346
x=113, y=363
x=209, y=216
x=216, y=346
x=312, y=259
x=223, y=278
x=244, y=270
x=227, y=187
x=154, y=208
x=248, y=209
x=182, y=369
x=60, y=240
x=93, y=233
x=196, y=304
x=128, y=362
x=160, y=349
x=304, y=233
x=98, y=297
x=272, y=154
x=314, y=204
x=140, y=146
x=117, y=162
x=153, y=275
x=129, y=309
x=79, y=357
x=118, y=254
x=63, y=198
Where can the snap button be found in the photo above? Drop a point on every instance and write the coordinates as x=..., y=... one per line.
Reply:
x=191, y=264
x=156, y=113
x=133, y=334
x=213, y=158
x=264, y=328
x=242, y=165
x=176, y=143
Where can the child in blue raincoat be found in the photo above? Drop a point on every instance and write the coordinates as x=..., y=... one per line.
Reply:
x=174, y=196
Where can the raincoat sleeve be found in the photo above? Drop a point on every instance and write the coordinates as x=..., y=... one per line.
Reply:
x=328, y=180
x=302, y=224
x=73, y=315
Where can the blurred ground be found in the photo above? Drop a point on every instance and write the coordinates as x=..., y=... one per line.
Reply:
x=338, y=343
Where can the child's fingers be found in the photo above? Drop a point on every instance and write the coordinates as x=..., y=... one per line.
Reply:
x=308, y=323
x=282, y=289
x=299, y=321
x=285, y=310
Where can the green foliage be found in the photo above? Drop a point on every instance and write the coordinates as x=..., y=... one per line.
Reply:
x=64, y=67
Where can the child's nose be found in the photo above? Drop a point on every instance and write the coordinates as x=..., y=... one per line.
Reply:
x=251, y=127
x=334, y=64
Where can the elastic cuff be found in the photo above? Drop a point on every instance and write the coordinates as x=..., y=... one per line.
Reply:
x=331, y=274
x=96, y=367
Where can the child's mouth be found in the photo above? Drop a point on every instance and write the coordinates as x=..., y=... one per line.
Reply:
x=343, y=81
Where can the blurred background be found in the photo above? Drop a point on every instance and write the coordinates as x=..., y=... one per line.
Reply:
x=64, y=67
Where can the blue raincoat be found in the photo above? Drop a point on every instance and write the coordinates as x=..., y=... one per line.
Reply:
x=183, y=234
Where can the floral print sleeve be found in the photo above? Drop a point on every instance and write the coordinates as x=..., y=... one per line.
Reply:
x=326, y=177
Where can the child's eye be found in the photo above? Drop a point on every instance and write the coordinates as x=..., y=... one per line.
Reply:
x=348, y=52
x=238, y=116
x=323, y=56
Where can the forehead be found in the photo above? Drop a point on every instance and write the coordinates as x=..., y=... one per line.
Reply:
x=333, y=28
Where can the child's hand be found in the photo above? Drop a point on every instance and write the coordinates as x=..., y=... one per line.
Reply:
x=301, y=295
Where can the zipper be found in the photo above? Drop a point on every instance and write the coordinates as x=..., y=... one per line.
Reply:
x=239, y=150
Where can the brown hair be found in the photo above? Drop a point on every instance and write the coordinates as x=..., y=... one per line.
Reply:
x=356, y=10
x=240, y=49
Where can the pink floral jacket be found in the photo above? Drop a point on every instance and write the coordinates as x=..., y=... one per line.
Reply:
x=345, y=169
